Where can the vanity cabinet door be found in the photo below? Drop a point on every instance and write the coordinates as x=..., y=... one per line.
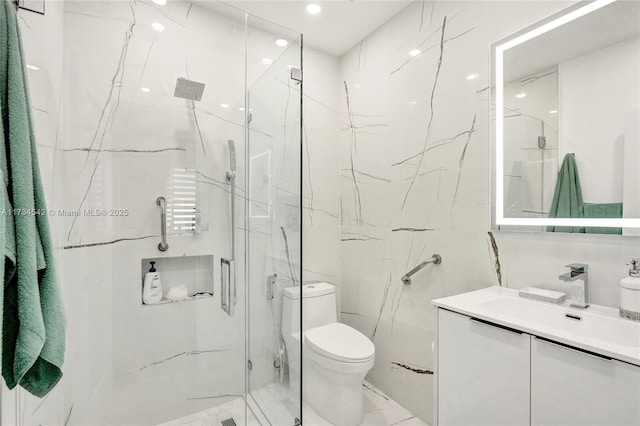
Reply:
x=482, y=373
x=573, y=387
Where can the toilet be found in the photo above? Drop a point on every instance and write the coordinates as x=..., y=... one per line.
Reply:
x=336, y=357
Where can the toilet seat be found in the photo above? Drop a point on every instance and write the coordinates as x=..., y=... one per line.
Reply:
x=340, y=342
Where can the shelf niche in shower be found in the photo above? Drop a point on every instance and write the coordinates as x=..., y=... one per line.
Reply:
x=194, y=272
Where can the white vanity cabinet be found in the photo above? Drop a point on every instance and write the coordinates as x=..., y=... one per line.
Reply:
x=492, y=374
x=482, y=373
x=570, y=386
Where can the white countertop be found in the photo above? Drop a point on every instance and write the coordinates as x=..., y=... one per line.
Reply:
x=601, y=329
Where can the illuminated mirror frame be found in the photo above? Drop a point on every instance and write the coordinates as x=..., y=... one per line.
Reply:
x=498, y=49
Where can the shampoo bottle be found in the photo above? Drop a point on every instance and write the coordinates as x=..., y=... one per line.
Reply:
x=152, y=289
x=630, y=292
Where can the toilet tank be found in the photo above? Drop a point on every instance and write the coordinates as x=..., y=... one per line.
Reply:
x=318, y=307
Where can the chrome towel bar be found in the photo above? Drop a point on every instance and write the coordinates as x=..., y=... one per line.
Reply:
x=436, y=259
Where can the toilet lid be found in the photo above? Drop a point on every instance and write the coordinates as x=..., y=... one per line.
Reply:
x=340, y=342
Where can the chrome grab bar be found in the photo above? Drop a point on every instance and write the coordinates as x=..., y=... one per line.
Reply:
x=436, y=259
x=162, y=202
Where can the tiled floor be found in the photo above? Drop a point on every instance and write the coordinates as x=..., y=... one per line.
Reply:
x=380, y=410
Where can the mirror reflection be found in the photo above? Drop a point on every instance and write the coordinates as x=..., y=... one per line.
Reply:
x=570, y=142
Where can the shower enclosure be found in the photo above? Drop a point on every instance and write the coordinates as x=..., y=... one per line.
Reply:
x=274, y=237
x=155, y=99
x=531, y=154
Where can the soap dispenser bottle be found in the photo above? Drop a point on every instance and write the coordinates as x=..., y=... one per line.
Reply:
x=630, y=292
x=152, y=288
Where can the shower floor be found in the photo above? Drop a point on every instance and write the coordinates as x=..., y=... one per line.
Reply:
x=380, y=410
x=214, y=416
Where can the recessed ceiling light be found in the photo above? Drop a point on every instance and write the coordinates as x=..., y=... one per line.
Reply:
x=241, y=109
x=313, y=9
x=281, y=42
x=267, y=61
x=158, y=27
x=224, y=105
x=145, y=89
x=160, y=2
x=413, y=103
x=414, y=52
x=521, y=95
x=553, y=111
x=472, y=76
x=32, y=67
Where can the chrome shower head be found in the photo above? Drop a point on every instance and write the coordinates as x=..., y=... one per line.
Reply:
x=187, y=89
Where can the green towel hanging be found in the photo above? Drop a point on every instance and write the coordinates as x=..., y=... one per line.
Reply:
x=567, y=198
x=33, y=322
x=599, y=211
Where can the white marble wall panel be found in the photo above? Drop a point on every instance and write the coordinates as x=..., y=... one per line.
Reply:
x=321, y=168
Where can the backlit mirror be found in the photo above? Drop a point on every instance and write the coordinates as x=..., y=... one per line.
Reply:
x=567, y=122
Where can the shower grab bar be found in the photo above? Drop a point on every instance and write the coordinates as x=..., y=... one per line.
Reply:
x=436, y=259
x=162, y=202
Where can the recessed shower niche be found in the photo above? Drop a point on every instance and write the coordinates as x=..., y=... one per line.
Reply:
x=195, y=273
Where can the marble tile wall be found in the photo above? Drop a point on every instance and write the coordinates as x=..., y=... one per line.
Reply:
x=321, y=168
x=414, y=159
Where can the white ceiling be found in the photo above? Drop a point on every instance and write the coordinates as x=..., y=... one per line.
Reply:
x=340, y=25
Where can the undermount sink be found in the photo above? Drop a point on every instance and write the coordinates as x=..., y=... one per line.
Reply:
x=596, y=328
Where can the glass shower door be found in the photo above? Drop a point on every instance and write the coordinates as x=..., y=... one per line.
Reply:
x=274, y=236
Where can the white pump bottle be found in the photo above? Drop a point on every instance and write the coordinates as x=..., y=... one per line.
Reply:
x=152, y=288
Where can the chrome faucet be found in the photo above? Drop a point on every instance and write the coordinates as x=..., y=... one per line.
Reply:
x=579, y=292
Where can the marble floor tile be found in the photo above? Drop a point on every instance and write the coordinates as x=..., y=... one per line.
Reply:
x=380, y=410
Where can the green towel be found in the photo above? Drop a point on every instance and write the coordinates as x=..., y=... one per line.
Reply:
x=602, y=210
x=33, y=327
x=567, y=198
